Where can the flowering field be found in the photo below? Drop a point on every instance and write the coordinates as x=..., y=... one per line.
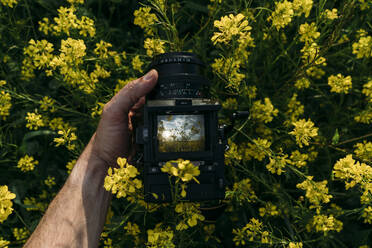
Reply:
x=298, y=168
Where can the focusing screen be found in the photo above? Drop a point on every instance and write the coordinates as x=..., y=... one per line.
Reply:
x=181, y=133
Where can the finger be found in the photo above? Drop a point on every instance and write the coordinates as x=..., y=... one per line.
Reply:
x=128, y=96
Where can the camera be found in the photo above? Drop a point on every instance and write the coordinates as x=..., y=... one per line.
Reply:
x=181, y=121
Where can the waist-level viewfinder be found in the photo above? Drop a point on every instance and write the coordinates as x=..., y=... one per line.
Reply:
x=180, y=121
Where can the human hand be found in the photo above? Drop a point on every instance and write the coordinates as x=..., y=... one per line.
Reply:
x=113, y=135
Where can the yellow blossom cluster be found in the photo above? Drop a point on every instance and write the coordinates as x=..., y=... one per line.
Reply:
x=316, y=192
x=325, y=224
x=122, y=83
x=308, y=32
x=159, y=237
x=242, y=192
x=263, y=112
x=302, y=7
x=145, y=19
x=67, y=137
x=295, y=245
x=137, y=63
x=298, y=159
x=302, y=83
x=102, y=49
x=232, y=26
x=27, y=163
x=352, y=173
x=5, y=104
x=70, y=165
x=9, y=3
x=230, y=104
x=21, y=234
x=50, y=181
x=232, y=154
x=365, y=116
x=364, y=150
x=257, y=150
x=304, y=131
x=189, y=213
x=47, y=103
x=253, y=231
x=312, y=60
x=269, y=210
x=367, y=215
x=132, y=229
x=331, y=14
x=181, y=169
x=4, y=243
x=277, y=164
x=295, y=110
x=34, y=121
x=229, y=69
x=339, y=83
x=363, y=48
x=121, y=181
x=367, y=90
x=154, y=46
x=282, y=15
x=97, y=110
x=68, y=22
x=34, y=205
x=6, y=203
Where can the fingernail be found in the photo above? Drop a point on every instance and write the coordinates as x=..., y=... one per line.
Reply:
x=149, y=75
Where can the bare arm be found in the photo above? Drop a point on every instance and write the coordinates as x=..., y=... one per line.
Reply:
x=76, y=216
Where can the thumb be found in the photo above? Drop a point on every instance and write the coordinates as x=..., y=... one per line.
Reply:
x=128, y=96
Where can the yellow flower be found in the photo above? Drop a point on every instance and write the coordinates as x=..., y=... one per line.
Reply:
x=339, y=83
x=331, y=14
x=367, y=90
x=304, y=130
x=298, y=159
x=97, y=110
x=159, y=237
x=229, y=69
x=316, y=192
x=232, y=153
x=39, y=52
x=145, y=19
x=253, y=231
x=364, y=150
x=367, y=215
x=189, y=213
x=4, y=243
x=277, y=164
x=182, y=169
x=21, y=234
x=258, y=150
x=75, y=1
x=67, y=138
x=154, y=46
x=302, y=7
x=70, y=165
x=47, y=103
x=102, y=49
x=363, y=48
x=5, y=104
x=27, y=163
x=232, y=26
x=5, y=203
x=325, y=224
x=34, y=121
x=9, y=3
x=137, y=63
x=282, y=15
x=302, y=83
x=264, y=112
x=132, y=229
x=365, y=116
x=308, y=32
x=122, y=181
x=295, y=110
x=295, y=245
x=242, y=192
x=50, y=181
x=269, y=209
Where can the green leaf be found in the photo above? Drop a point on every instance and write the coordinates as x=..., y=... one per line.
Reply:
x=336, y=138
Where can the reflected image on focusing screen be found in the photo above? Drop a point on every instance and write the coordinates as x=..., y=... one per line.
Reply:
x=181, y=133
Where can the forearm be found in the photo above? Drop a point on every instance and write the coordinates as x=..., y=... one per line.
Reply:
x=76, y=216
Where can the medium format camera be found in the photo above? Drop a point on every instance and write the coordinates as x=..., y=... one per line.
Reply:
x=180, y=121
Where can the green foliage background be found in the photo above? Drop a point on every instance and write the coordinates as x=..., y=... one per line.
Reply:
x=273, y=66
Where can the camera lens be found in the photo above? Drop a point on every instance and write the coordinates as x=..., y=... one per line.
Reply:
x=180, y=76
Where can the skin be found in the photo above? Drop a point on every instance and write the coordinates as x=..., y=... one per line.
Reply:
x=76, y=216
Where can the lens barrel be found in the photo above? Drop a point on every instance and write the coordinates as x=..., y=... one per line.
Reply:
x=180, y=76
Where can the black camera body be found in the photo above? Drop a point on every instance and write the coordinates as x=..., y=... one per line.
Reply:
x=181, y=122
